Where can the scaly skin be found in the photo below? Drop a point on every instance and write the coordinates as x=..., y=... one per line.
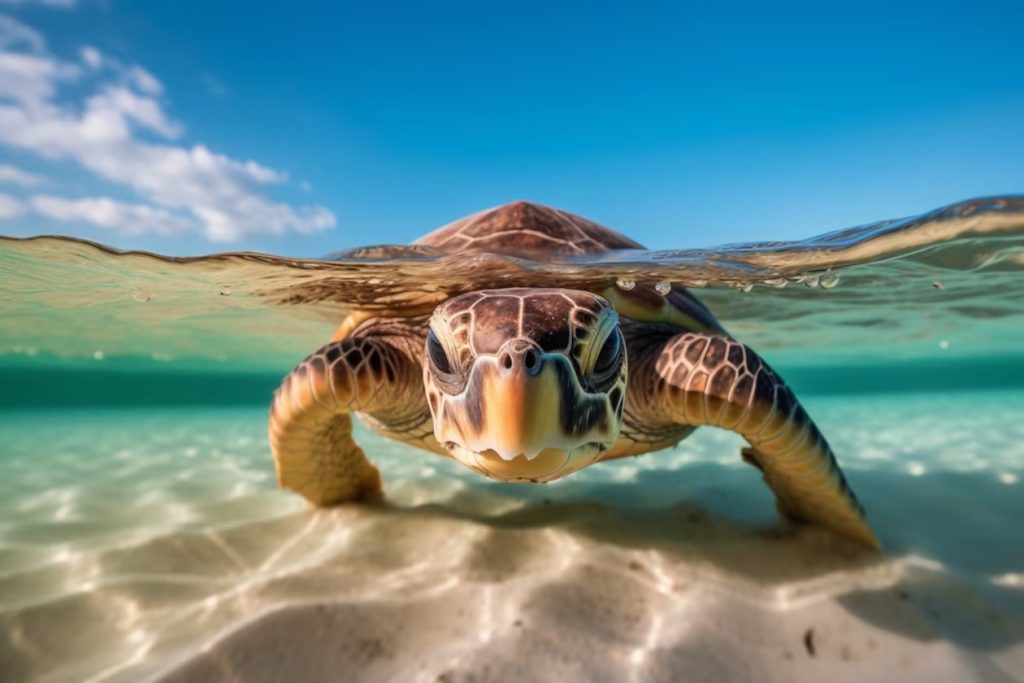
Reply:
x=375, y=374
x=712, y=379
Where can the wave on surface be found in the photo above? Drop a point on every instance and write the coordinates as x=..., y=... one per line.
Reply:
x=947, y=279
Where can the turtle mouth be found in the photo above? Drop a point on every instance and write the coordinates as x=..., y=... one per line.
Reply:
x=593, y=446
x=547, y=464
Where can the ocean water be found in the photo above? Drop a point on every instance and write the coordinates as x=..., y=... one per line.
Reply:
x=142, y=535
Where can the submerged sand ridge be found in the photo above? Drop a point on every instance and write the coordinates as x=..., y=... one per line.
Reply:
x=147, y=545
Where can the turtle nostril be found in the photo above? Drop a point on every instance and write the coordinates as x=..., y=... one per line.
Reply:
x=528, y=360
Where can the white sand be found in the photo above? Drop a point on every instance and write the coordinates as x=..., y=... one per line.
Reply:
x=152, y=545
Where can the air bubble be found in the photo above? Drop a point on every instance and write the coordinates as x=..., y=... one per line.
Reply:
x=98, y=355
x=745, y=287
x=944, y=344
x=624, y=284
x=812, y=280
x=828, y=280
x=663, y=287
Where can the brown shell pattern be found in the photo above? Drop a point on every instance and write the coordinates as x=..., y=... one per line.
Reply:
x=526, y=229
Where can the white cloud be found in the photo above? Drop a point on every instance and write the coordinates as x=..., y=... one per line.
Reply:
x=145, y=81
x=91, y=57
x=15, y=34
x=32, y=80
x=10, y=207
x=126, y=218
x=134, y=75
x=122, y=134
x=143, y=111
x=16, y=176
x=27, y=75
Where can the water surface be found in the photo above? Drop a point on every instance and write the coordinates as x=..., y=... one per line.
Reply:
x=947, y=281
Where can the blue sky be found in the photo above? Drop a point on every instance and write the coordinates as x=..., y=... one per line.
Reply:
x=188, y=127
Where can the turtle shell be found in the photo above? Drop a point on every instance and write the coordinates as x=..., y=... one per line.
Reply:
x=533, y=231
x=528, y=230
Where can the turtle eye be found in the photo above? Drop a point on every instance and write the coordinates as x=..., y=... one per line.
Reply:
x=438, y=358
x=608, y=358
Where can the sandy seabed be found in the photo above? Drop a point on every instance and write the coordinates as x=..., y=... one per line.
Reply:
x=146, y=544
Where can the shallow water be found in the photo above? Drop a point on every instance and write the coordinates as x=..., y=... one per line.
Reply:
x=142, y=535
x=132, y=540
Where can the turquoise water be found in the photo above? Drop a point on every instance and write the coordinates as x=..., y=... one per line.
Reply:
x=132, y=538
x=142, y=535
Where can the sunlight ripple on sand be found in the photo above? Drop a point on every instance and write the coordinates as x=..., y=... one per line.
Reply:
x=152, y=545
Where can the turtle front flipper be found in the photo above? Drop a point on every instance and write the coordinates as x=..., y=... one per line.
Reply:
x=311, y=424
x=712, y=379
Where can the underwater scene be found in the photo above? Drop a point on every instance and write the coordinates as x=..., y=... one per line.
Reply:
x=143, y=535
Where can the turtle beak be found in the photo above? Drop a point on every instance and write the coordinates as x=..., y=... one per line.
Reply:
x=521, y=401
x=524, y=415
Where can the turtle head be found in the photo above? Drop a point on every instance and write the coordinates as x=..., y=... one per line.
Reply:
x=525, y=384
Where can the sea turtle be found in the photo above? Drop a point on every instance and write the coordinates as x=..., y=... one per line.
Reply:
x=532, y=384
